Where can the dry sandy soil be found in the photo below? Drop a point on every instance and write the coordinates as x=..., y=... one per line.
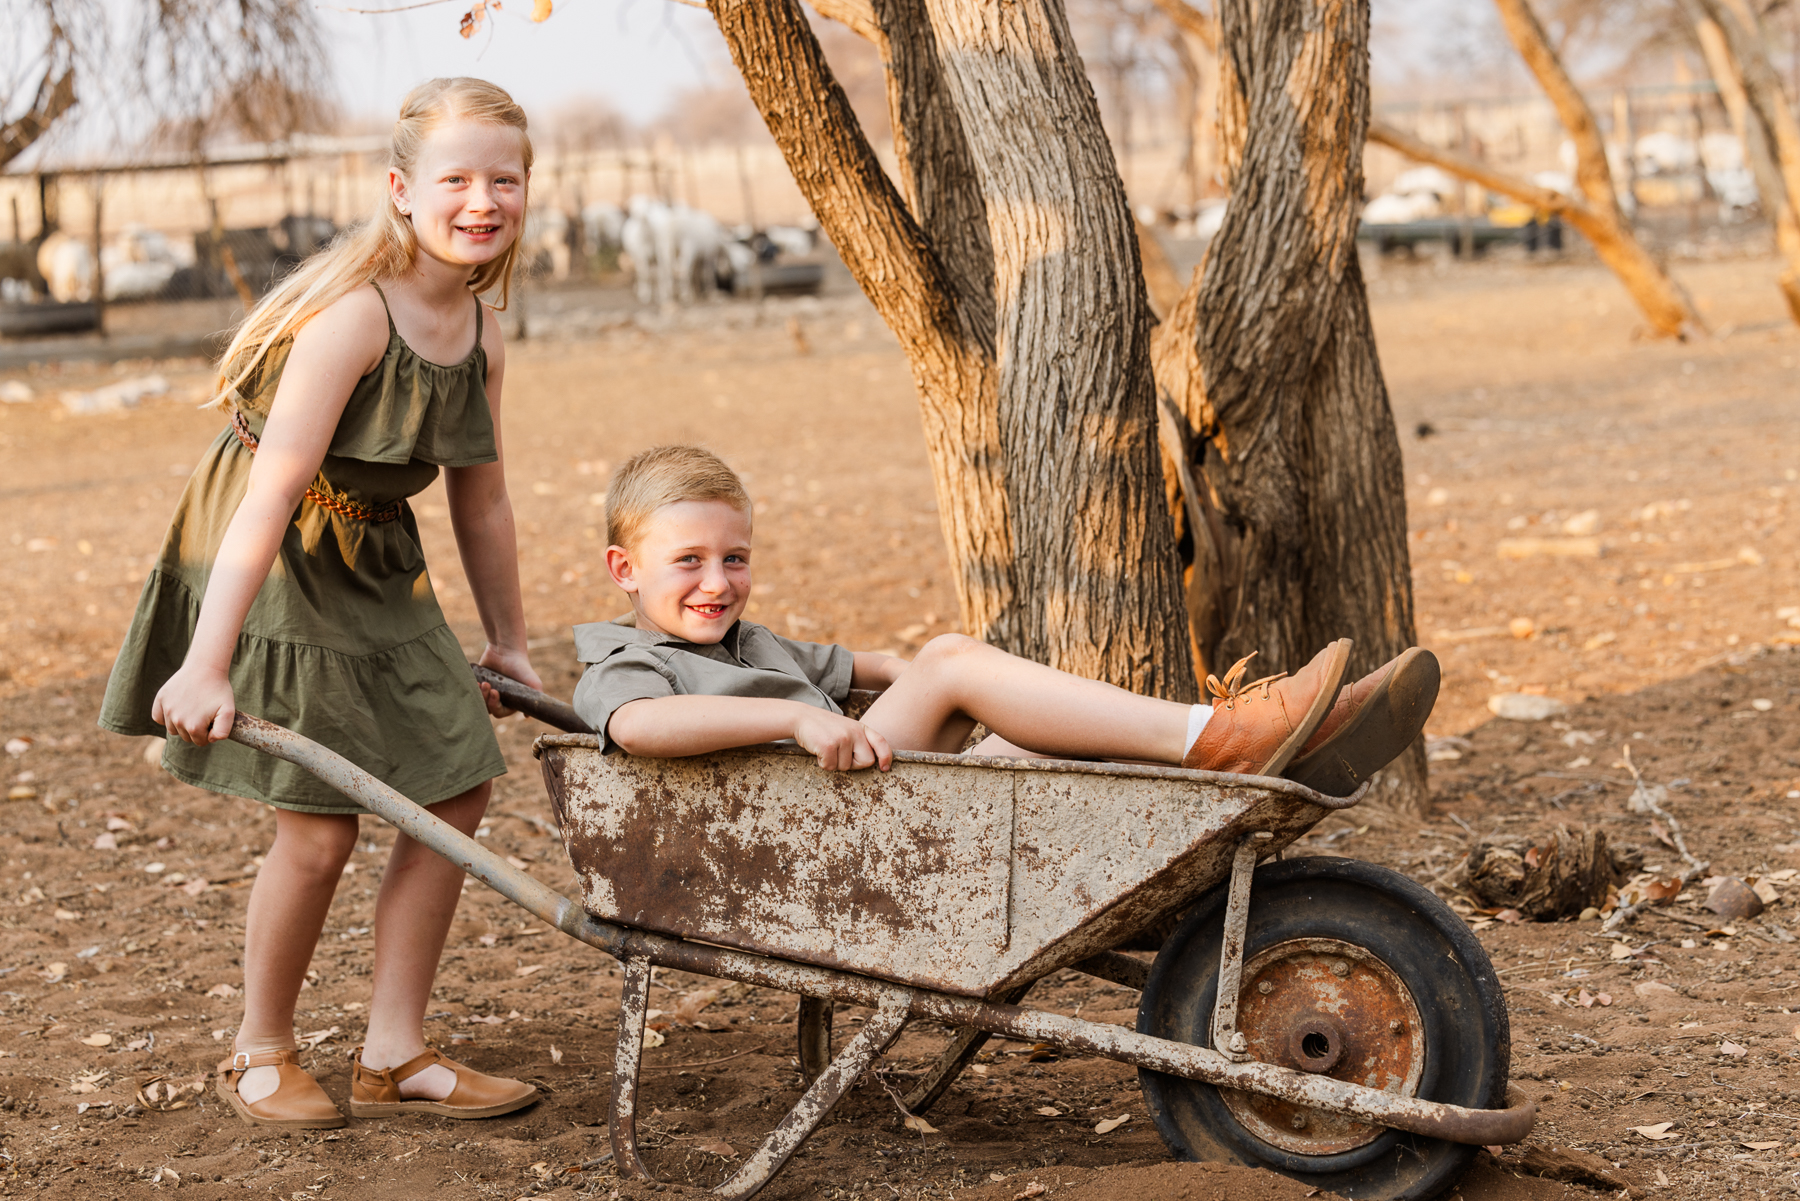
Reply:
x=1528, y=411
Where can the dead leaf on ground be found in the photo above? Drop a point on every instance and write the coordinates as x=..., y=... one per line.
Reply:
x=555, y=1054
x=1655, y=1133
x=1661, y=892
x=477, y=1019
x=67, y=915
x=1049, y=1111
x=717, y=1146
x=310, y=1041
x=106, y=842
x=531, y=970
x=1111, y=1124
x=653, y=1038
x=1034, y=1189
x=1511, y=917
x=165, y=1095
x=1761, y=1146
x=1732, y=1049
x=54, y=972
x=915, y=1122
x=98, y=1039
x=222, y=990
x=1041, y=1053
x=689, y=1005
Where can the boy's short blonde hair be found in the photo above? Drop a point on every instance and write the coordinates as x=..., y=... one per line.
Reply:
x=666, y=475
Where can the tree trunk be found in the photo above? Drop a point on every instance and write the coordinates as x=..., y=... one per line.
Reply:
x=1658, y=297
x=1268, y=365
x=1763, y=120
x=1035, y=387
x=55, y=96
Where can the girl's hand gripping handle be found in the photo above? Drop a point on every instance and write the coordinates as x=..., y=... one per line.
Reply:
x=196, y=704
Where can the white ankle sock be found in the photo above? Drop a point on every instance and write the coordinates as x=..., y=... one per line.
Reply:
x=1198, y=716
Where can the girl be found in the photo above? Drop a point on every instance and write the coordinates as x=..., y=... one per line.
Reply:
x=292, y=583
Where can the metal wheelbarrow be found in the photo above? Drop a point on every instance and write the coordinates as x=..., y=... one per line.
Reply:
x=1346, y=1030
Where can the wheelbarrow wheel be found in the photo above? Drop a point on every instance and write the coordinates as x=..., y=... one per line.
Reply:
x=1352, y=971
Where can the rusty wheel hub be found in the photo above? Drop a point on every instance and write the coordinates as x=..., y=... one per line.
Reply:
x=1327, y=1007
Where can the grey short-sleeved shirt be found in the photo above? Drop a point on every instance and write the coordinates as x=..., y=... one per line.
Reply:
x=627, y=664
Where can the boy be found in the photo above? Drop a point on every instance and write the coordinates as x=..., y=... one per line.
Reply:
x=691, y=677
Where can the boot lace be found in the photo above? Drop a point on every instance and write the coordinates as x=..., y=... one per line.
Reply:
x=1226, y=692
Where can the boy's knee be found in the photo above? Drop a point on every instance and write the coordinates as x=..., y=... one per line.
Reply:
x=945, y=650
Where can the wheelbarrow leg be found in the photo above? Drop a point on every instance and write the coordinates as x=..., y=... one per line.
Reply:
x=965, y=1043
x=815, y=1036
x=878, y=1033
x=634, y=997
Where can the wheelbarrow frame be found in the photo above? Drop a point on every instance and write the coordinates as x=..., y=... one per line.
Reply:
x=640, y=951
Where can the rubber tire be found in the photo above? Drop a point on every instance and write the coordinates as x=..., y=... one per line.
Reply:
x=1468, y=1043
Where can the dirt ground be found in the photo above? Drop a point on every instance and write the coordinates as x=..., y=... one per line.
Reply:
x=1531, y=419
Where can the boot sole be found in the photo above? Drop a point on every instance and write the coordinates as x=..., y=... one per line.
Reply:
x=388, y=1109
x=1388, y=722
x=230, y=1097
x=1335, y=668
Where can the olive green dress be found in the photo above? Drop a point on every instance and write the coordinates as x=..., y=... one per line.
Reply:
x=345, y=642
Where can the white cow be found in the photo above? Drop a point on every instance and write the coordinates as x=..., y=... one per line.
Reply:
x=674, y=250
x=603, y=224
x=67, y=265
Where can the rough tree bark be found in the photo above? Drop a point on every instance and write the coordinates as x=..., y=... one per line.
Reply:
x=1283, y=438
x=1736, y=53
x=1032, y=361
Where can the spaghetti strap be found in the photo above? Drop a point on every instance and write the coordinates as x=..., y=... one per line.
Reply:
x=477, y=320
x=392, y=329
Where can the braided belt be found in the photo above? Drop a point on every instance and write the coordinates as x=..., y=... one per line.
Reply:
x=337, y=504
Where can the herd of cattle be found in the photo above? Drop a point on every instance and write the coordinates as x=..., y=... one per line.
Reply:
x=676, y=254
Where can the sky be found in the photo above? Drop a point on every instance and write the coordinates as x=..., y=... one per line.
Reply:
x=638, y=54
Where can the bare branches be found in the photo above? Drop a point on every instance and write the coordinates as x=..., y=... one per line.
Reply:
x=52, y=101
x=1191, y=20
x=1471, y=169
x=859, y=15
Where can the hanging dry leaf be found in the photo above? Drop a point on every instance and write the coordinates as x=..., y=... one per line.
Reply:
x=555, y=1054
x=1111, y=1124
x=717, y=1146
x=540, y=10
x=471, y=20
x=915, y=1122
x=1655, y=1133
x=1049, y=1111
x=99, y=1039
x=532, y=970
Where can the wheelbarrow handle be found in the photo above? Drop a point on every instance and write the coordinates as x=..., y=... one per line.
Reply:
x=531, y=702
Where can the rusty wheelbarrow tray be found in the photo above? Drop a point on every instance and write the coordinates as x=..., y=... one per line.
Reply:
x=891, y=893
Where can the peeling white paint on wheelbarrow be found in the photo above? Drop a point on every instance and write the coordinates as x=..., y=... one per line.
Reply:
x=949, y=872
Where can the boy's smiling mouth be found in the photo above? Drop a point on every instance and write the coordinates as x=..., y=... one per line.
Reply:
x=709, y=610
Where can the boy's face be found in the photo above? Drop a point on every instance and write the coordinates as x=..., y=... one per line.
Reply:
x=689, y=574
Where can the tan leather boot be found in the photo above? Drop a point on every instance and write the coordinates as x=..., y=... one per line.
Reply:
x=297, y=1103
x=1373, y=720
x=1258, y=728
x=376, y=1093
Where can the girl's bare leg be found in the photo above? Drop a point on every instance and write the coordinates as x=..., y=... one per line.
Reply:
x=287, y=910
x=957, y=681
x=413, y=912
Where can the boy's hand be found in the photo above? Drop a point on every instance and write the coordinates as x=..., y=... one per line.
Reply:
x=841, y=744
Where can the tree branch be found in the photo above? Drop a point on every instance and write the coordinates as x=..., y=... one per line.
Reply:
x=1592, y=175
x=1472, y=169
x=1762, y=88
x=1191, y=20
x=51, y=102
x=859, y=15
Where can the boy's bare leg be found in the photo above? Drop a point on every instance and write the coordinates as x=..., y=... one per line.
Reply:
x=957, y=681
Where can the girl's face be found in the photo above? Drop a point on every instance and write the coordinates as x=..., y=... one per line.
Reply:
x=466, y=193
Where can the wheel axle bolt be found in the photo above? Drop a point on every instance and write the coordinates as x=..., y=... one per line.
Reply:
x=1341, y=968
x=1299, y=1121
x=1239, y=1044
x=1264, y=987
x=1396, y=1026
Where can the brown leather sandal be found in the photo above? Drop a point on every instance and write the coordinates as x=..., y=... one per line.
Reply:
x=298, y=1103
x=376, y=1093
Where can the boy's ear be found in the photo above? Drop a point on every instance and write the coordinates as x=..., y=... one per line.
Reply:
x=618, y=566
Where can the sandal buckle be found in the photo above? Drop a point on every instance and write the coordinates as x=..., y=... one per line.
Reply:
x=243, y=1055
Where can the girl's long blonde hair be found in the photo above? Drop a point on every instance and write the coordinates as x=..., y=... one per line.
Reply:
x=381, y=248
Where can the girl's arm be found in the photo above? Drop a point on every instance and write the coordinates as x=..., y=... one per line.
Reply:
x=486, y=538
x=331, y=352
x=874, y=670
x=667, y=727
